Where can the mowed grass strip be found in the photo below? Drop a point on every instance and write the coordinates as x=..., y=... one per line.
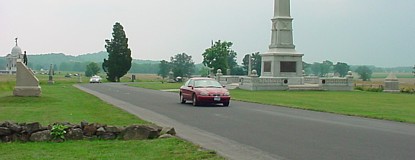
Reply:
x=63, y=103
x=395, y=107
x=388, y=106
x=146, y=149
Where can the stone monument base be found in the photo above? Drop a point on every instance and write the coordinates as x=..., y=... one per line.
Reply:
x=288, y=83
x=27, y=85
x=27, y=91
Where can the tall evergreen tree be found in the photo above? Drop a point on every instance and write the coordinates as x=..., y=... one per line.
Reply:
x=119, y=55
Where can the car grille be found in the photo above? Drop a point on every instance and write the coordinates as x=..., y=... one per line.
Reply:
x=216, y=94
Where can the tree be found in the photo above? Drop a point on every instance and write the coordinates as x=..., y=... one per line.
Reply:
x=164, y=69
x=365, y=72
x=316, y=68
x=307, y=68
x=321, y=69
x=204, y=72
x=326, y=68
x=92, y=69
x=414, y=70
x=341, y=69
x=220, y=56
x=239, y=70
x=182, y=65
x=119, y=55
x=256, y=61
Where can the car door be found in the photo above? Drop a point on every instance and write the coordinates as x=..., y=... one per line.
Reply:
x=187, y=90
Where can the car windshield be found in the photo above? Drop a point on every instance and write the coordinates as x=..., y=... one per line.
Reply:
x=207, y=83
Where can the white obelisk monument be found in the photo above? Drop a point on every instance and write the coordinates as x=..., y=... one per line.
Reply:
x=282, y=60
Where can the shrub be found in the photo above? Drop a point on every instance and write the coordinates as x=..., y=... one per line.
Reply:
x=407, y=90
x=370, y=89
x=58, y=131
x=359, y=88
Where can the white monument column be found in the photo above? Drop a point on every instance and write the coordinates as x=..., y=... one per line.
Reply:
x=282, y=60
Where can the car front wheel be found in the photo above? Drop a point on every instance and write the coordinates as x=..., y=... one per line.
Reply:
x=226, y=104
x=195, y=102
x=182, y=100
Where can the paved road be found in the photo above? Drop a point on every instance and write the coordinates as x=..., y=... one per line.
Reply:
x=253, y=131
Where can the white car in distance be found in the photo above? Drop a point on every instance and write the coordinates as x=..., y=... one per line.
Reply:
x=95, y=79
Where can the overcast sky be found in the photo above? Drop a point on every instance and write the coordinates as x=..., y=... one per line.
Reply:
x=371, y=32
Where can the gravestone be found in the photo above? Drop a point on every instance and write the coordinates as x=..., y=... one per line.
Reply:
x=50, y=81
x=80, y=78
x=391, y=84
x=171, y=77
x=27, y=85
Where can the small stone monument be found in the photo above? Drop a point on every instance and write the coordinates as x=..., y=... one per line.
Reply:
x=254, y=73
x=50, y=81
x=27, y=85
x=218, y=74
x=80, y=78
x=391, y=84
x=171, y=77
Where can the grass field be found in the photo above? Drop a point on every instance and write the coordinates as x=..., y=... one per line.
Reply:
x=395, y=107
x=62, y=102
x=73, y=150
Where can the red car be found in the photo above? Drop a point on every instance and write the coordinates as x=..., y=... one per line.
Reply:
x=204, y=90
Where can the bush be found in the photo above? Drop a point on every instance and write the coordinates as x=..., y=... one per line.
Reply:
x=58, y=131
x=407, y=90
x=359, y=88
x=370, y=89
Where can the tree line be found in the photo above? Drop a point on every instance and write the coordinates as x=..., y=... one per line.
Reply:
x=219, y=56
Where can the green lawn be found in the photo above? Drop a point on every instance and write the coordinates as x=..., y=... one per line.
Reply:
x=395, y=107
x=147, y=149
x=62, y=102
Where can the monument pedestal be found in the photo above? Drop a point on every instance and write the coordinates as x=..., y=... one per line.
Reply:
x=27, y=91
x=282, y=60
x=27, y=85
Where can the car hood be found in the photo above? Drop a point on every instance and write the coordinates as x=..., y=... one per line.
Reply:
x=212, y=90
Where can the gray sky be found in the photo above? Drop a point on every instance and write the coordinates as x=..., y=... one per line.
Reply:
x=372, y=32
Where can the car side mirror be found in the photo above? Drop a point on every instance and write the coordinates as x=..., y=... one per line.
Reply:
x=190, y=86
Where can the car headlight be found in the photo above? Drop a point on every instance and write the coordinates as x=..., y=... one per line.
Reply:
x=204, y=93
x=226, y=94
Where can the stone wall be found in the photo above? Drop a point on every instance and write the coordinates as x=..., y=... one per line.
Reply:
x=35, y=132
x=256, y=83
x=337, y=84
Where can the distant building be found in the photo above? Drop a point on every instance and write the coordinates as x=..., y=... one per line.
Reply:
x=12, y=58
